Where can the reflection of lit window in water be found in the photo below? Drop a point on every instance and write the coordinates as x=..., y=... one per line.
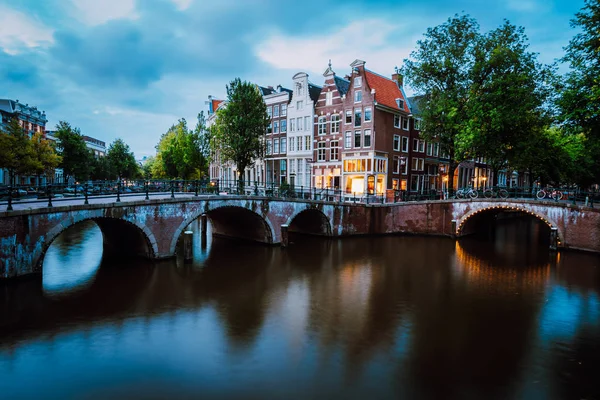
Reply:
x=71, y=262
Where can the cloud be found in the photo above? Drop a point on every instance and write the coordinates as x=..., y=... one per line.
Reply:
x=182, y=4
x=375, y=41
x=18, y=31
x=96, y=12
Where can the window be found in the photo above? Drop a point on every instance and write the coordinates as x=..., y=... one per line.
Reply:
x=322, y=126
x=417, y=124
x=404, y=167
x=396, y=184
x=358, y=81
x=282, y=167
x=396, y=165
x=328, y=98
x=421, y=146
x=405, y=123
x=276, y=146
x=292, y=125
x=335, y=124
x=405, y=144
x=396, y=121
x=436, y=149
x=348, y=116
x=269, y=147
x=307, y=142
x=357, y=116
x=415, y=144
x=307, y=124
x=269, y=129
x=300, y=143
x=357, y=96
x=269, y=111
x=367, y=139
x=276, y=111
x=292, y=165
x=348, y=140
x=429, y=149
x=283, y=110
x=334, y=150
x=414, y=183
x=283, y=145
x=421, y=164
x=276, y=127
x=321, y=151
x=400, y=103
x=299, y=105
x=292, y=144
x=283, y=126
x=368, y=114
x=299, y=123
x=299, y=86
x=396, y=143
x=357, y=138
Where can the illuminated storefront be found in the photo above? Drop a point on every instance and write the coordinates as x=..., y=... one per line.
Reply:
x=365, y=175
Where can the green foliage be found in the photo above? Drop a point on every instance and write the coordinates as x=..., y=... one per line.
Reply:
x=181, y=153
x=239, y=132
x=77, y=159
x=46, y=158
x=102, y=169
x=121, y=160
x=16, y=151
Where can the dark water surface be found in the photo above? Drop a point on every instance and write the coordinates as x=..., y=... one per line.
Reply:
x=361, y=318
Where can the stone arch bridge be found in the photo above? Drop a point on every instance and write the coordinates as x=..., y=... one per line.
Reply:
x=151, y=228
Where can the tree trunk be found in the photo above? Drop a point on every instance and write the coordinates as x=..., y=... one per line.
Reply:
x=451, y=168
x=495, y=173
x=241, y=171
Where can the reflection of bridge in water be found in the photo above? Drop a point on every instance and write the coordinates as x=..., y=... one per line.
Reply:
x=151, y=228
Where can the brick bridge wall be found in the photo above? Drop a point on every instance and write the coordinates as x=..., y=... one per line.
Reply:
x=152, y=228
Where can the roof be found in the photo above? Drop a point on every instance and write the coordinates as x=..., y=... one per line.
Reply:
x=7, y=105
x=215, y=104
x=342, y=84
x=265, y=91
x=386, y=91
x=314, y=91
x=415, y=104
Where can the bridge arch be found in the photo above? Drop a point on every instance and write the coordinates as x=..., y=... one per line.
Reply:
x=121, y=237
x=231, y=220
x=311, y=221
x=462, y=222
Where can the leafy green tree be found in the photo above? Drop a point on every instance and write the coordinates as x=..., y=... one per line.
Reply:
x=579, y=102
x=45, y=155
x=102, y=169
x=122, y=161
x=16, y=151
x=239, y=131
x=511, y=89
x=440, y=69
x=147, y=167
x=77, y=159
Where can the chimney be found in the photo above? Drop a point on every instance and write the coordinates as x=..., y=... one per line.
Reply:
x=398, y=78
x=210, y=104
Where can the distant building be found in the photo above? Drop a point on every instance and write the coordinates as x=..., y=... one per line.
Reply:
x=30, y=118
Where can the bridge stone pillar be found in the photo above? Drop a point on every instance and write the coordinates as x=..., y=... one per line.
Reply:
x=284, y=235
x=553, y=238
x=453, y=228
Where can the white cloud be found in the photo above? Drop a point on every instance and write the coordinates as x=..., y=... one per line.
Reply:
x=381, y=44
x=97, y=12
x=182, y=4
x=18, y=30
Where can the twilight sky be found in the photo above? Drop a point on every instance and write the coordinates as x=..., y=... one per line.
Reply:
x=131, y=68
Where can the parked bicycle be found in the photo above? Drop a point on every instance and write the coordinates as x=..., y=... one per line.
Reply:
x=551, y=193
x=495, y=192
x=466, y=193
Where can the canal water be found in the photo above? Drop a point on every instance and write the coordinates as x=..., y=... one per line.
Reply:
x=496, y=317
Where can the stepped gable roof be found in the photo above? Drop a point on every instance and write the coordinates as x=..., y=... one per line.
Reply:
x=314, y=91
x=342, y=84
x=386, y=91
x=415, y=104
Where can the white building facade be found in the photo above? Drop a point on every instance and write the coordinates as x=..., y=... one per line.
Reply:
x=300, y=130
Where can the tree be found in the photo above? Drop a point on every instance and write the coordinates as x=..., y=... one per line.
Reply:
x=511, y=89
x=147, y=167
x=77, y=159
x=102, y=169
x=580, y=98
x=122, y=160
x=440, y=69
x=239, y=131
x=46, y=158
x=181, y=153
x=16, y=151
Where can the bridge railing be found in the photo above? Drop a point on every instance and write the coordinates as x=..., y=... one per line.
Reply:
x=144, y=189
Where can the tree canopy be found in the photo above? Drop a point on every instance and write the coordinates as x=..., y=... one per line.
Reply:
x=239, y=132
x=77, y=159
x=16, y=151
x=121, y=160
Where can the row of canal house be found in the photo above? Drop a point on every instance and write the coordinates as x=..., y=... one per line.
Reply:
x=359, y=133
